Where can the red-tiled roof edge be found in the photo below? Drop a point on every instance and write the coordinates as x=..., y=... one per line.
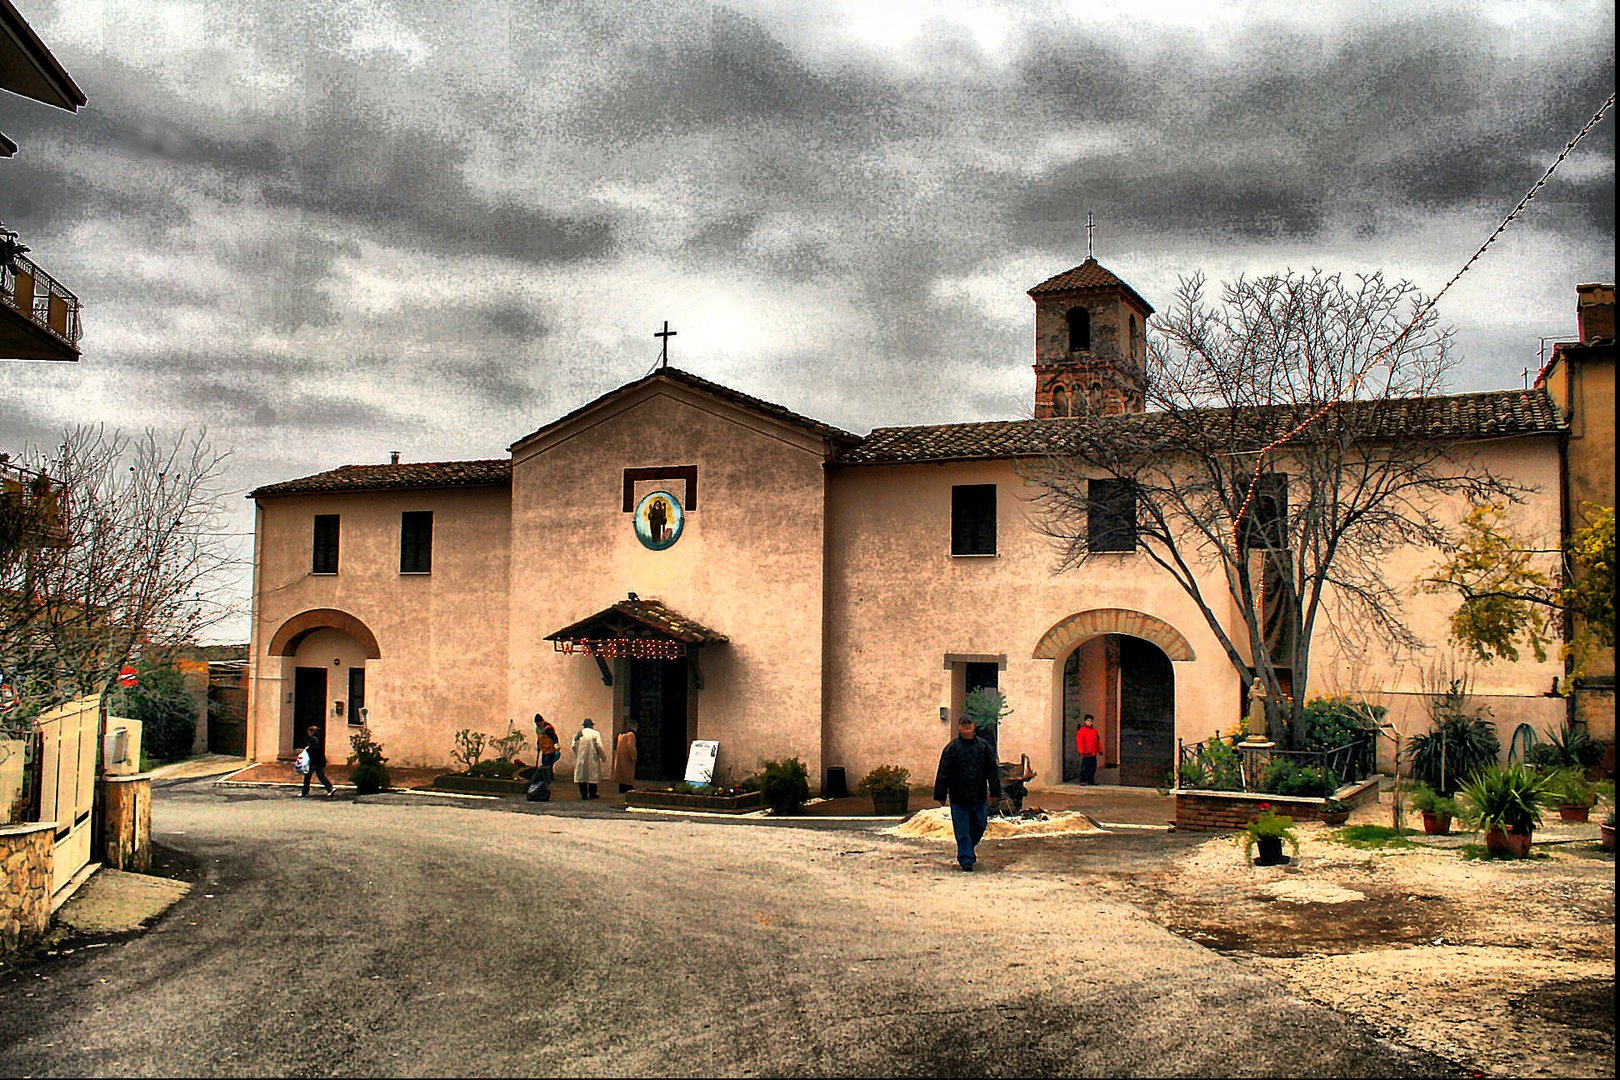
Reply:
x=415, y=475
x=1104, y=279
x=698, y=382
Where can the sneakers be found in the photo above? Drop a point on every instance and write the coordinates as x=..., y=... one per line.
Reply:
x=967, y=867
x=331, y=791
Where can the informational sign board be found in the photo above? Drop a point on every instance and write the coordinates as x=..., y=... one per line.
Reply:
x=700, y=761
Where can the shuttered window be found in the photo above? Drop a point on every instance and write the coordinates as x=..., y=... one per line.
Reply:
x=416, y=542
x=973, y=519
x=324, y=550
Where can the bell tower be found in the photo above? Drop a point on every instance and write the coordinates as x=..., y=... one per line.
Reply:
x=1090, y=344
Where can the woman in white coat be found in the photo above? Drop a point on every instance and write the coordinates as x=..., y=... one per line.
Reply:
x=588, y=759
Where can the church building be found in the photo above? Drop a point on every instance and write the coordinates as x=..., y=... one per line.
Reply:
x=704, y=564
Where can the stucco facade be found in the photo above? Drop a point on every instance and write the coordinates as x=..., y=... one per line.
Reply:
x=818, y=608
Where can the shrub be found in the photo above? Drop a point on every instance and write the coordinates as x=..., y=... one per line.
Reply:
x=494, y=770
x=469, y=748
x=885, y=780
x=1338, y=720
x=167, y=713
x=1283, y=777
x=1509, y=799
x=785, y=785
x=510, y=745
x=370, y=772
x=1571, y=747
x=1426, y=800
x=1460, y=744
x=1216, y=767
x=1570, y=787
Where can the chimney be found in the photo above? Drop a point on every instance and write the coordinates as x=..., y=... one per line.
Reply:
x=1594, y=312
x=393, y=455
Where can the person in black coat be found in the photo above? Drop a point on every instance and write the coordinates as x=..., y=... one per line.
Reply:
x=317, y=762
x=968, y=777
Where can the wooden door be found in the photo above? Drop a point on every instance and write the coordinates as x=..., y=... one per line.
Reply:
x=309, y=704
x=658, y=706
x=1147, y=713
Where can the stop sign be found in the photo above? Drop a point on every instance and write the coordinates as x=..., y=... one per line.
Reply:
x=126, y=677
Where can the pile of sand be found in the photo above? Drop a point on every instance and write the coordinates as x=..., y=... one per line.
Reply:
x=935, y=824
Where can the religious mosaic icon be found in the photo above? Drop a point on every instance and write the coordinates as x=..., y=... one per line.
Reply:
x=659, y=520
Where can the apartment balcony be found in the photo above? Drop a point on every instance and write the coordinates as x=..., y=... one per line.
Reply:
x=32, y=510
x=39, y=319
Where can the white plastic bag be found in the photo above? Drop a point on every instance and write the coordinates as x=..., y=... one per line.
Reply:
x=301, y=762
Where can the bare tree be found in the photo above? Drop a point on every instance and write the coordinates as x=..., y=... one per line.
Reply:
x=131, y=565
x=1292, y=442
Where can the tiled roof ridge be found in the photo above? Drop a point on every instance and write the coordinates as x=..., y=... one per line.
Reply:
x=1475, y=414
x=1090, y=274
x=404, y=475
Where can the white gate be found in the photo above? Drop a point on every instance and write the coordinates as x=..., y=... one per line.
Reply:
x=67, y=775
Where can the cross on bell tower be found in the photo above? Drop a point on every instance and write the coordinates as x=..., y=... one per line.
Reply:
x=1090, y=225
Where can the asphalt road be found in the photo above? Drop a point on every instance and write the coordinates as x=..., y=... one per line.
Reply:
x=408, y=936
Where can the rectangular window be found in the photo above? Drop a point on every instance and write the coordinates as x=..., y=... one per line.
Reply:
x=357, y=696
x=416, y=542
x=1265, y=524
x=324, y=556
x=973, y=519
x=1111, y=515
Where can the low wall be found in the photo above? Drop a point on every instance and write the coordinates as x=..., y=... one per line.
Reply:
x=1231, y=810
x=126, y=822
x=27, y=861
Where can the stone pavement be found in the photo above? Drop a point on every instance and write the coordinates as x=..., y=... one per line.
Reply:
x=113, y=901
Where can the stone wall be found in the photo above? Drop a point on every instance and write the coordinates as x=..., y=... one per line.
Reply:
x=126, y=823
x=26, y=862
x=1231, y=810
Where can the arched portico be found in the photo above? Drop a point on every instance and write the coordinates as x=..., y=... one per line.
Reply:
x=286, y=640
x=324, y=653
x=1116, y=665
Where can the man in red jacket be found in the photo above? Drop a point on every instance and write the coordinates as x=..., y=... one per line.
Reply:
x=1089, y=745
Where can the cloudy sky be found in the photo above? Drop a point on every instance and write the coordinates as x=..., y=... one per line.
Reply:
x=334, y=228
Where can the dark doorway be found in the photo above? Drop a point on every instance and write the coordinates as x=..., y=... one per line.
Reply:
x=658, y=706
x=1147, y=708
x=309, y=704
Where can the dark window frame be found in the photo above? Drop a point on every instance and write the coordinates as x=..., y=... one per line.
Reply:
x=324, y=549
x=1265, y=525
x=1078, y=321
x=1109, y=528
x=416, y=542
x=973, y=520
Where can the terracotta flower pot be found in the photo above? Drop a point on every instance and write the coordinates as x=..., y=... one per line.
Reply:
x=1436, y=824
x=1574, y=813
x=1515, y=845
x=1606, y=837
x=1338, y=817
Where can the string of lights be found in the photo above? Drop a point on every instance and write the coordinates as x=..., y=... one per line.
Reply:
x=1356, y=377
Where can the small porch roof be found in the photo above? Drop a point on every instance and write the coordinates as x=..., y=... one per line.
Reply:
x=634, y=617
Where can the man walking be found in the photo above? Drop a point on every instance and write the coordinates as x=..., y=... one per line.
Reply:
x=969, y=778
x=548, y=748
x=316, y=749
x=1089, y=744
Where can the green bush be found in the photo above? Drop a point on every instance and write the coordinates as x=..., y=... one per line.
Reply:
x=1338, y=720
x=1571, y=747
x=1284, y=777
x=370, y=774
x=1460, y=744
x=1216, y=767
x=167, y=713
x=1570, y=787
x=885, y=780
x=494, y=770
x=1268, y=824
x=1426, y=800
x=785, y=785
x=1509, y=799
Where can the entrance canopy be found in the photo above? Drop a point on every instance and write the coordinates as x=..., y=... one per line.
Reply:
x=635, y=628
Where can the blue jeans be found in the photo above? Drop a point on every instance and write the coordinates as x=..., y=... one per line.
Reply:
x=968, y=823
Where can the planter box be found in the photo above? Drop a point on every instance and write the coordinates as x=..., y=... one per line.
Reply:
x=671, y=800
x=1231, y=810
x=479, y=785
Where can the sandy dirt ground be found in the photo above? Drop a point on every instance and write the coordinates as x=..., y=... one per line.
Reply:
x=1506, y=965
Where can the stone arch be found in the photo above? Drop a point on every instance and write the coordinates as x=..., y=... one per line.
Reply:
x=296, y=629
x=1069, y=632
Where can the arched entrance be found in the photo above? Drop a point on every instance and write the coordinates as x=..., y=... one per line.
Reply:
x=324, y=662
x=1116, y=665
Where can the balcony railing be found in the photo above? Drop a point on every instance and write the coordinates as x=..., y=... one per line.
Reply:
x=41, y=298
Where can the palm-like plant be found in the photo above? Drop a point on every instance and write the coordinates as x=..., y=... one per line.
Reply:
x=1509, y=799
x=1458, y=746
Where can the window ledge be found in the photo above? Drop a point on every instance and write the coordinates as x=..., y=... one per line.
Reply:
x=977, y=555
x=323, y=573
x=416, y=573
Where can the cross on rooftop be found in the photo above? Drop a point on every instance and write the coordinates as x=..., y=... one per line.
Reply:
x=1089, y=226
x=666, y=333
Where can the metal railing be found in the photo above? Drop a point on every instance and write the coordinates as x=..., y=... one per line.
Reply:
x=1235, y=767
x=38, y=295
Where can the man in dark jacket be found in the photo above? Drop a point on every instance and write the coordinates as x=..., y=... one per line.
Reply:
x=317, y=762
x=968, y=776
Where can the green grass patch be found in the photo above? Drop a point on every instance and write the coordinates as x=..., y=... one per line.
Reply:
x=1368, y=837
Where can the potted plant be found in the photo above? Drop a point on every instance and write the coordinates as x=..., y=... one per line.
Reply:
x=1268, y=831
x=1437, y=809
x=1335, y=812
x=1506, y=803
x=890, y=789
x=1572, y=793
x=1606, y=832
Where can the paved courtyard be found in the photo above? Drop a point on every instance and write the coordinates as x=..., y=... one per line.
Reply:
x=411, y=935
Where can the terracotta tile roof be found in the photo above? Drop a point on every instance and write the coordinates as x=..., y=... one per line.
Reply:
x=493, y=472
x=1090, y=274
x=725, y=393
x=627, y=616
x=1491, y=415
